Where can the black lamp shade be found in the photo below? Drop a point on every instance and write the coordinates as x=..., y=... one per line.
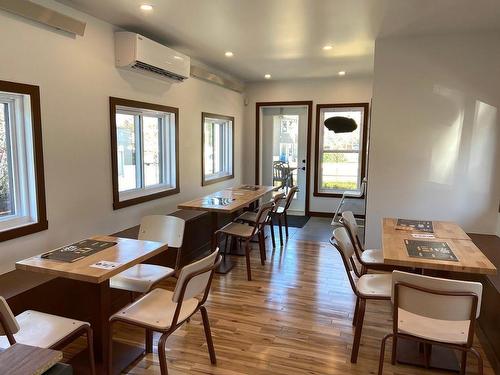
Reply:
x=339, y=124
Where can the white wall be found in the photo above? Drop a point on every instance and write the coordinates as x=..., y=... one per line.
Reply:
x=320, y=91
x=435, y=140
x=76, y=76
x=498, y=226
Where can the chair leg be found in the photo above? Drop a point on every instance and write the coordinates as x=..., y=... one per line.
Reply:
x=479, y=361
x=357, y=333
x=281, y=230
x=427, y=355
x=149, y=341
x=394, y=354
x=262, y=248
x=463, y=363
x=355, y=317
x=90, y=348
x=271, y=228
x=162, y=343
x=208, y=334
x=247, y=256
x=382, y=354
x=285, y=217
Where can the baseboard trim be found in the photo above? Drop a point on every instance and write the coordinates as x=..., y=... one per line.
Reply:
x=330, y=214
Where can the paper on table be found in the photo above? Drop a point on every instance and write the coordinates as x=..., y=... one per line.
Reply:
x=423, y=235
x=105, y=265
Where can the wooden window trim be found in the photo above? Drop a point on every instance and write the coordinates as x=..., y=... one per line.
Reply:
x=204, y=115
x=364, y=155
x=115, y=102
x=36, y=126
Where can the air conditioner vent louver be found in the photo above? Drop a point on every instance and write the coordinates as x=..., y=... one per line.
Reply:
x=150, y=68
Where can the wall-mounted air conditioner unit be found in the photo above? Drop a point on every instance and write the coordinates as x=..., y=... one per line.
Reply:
x=140, y=54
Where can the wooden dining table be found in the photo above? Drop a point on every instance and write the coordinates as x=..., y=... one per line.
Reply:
x=227, y=201
x=470, y=260
x=94, y=289
x=20, y=359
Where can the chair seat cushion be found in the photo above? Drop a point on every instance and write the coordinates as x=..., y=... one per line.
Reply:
x=140, y=278
x=374, y=256
x=248, y=216
x=375, y=285
x=238, y=230
x=447, y=331
x=42, y=330
x=156, y=309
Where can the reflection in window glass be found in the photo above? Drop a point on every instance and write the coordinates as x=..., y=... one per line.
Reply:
x=125, y=136
x=152, y=154
x=6, y=196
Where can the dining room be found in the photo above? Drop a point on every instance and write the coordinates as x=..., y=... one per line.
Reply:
x=191, y=187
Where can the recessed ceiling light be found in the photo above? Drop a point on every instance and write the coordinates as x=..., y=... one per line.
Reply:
x=267, y=76
x=146, y=7
x=342, y=73
x=327, y=47
x=229, y=54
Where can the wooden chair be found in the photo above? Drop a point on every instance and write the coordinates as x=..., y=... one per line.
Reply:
x=281, y=212
x=142, y=277
x=369, y=258
x=251, y=216
x=349, y=194
x=237, y=231
x=281, y=174
x=434, y=311
x=43, y=330
x=366, y=287
x=164, y=311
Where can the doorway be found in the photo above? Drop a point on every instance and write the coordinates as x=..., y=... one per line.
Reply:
x=283, y=149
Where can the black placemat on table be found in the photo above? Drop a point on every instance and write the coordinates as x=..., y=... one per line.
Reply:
x=78, y=250
x=430, y=250
x=420, y=225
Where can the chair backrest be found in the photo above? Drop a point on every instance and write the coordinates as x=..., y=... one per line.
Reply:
x=263, y=215
x=280, y=169
x=342, y=242
x=7, y=319
x=349, y=221
x=162, y=228
x=277, y=199
x=199, y=283
x=434, y=297
x=289, y=196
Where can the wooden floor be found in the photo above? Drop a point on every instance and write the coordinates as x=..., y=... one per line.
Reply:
x=293, y=318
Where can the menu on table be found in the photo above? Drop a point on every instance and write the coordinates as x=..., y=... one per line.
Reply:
x=418, y=225
x=430, y=250
x=78, y=250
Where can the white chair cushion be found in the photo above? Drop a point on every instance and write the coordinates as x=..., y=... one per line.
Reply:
x=447, y=331
x=375, y=285
x=156, y=309
x=42, y=330
x=372, y=256
x=140, y=278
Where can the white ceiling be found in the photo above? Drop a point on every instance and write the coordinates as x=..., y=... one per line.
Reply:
x=285, y=37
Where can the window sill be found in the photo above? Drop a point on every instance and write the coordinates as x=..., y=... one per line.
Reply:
x=149, y=196
x=210, y=181
x=22, y=231
x=336, y=195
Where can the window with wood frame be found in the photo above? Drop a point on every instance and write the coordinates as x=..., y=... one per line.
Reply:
x=217, y=148
x=144, y=143
x=22, y=189
x=340, y=157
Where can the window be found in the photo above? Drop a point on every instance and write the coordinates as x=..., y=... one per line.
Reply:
x=22, y=192
x=144, y=151
x=340, y=157
x=217, y=148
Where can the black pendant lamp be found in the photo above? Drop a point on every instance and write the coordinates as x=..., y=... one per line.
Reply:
x=340, y=124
